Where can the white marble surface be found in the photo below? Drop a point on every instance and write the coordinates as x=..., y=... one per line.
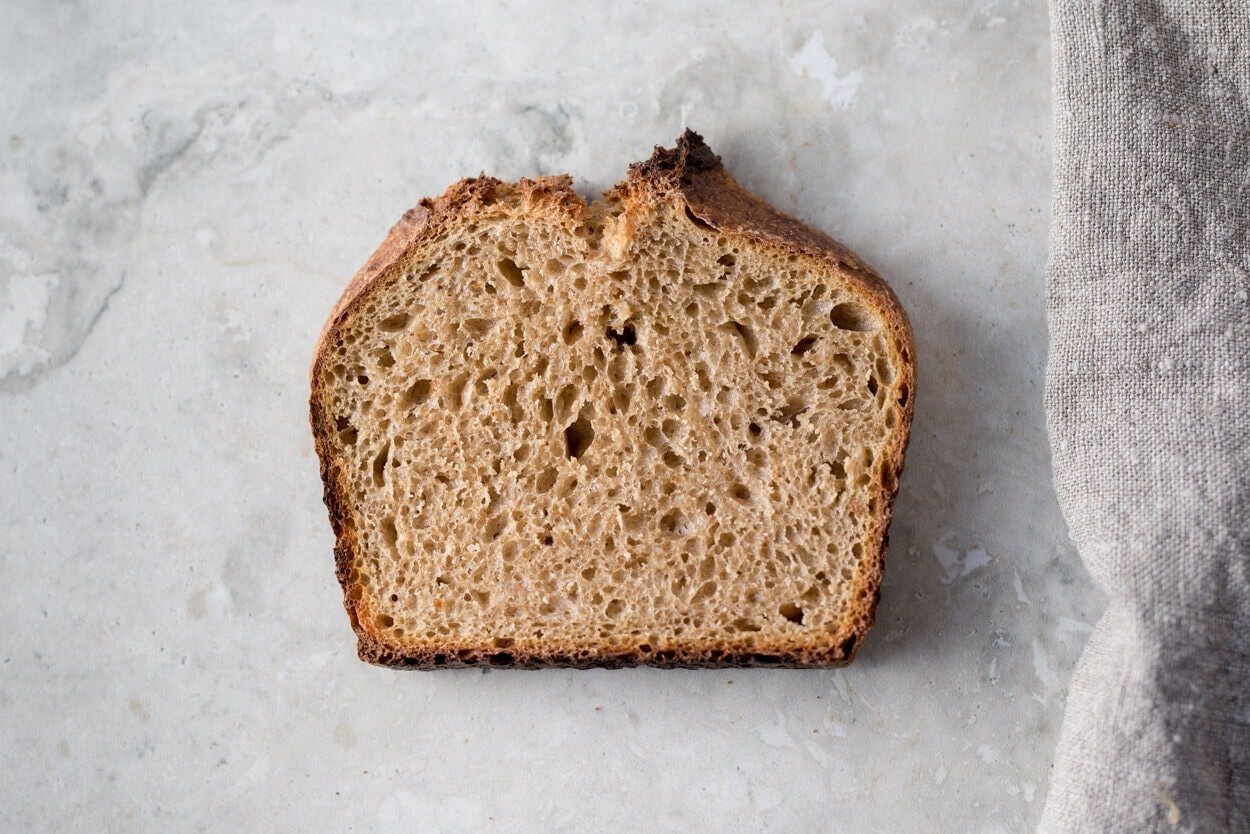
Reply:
x=184, y=190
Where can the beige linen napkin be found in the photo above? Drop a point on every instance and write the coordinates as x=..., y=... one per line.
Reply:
x=1148, y=403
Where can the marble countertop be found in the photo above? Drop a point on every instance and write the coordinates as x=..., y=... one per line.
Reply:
x=184, y=191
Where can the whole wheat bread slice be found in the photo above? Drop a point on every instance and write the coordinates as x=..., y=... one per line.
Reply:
x=665, y=428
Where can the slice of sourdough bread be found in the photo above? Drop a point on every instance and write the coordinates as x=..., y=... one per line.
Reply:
x=665, y=428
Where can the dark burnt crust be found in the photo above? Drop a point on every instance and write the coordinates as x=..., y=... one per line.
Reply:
x=693, y=175
x=451, y=656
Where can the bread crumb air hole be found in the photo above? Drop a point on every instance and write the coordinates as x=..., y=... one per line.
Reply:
x=543, y=442
x=851, y=317
x=792, y=612
x=346, y=431
x=395, y=323
x=627, y=336
x=416, y=394
x=675, y=523
x=511, y=272
x=699, y=222
x=744, y=334
x=578, y=437
x=803, y=345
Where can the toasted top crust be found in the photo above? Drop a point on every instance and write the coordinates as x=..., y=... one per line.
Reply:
x=694, y=177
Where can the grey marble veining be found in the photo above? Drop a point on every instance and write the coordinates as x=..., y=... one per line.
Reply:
x=184, y=191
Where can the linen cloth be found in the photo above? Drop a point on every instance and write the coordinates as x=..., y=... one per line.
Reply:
x=1148, y=407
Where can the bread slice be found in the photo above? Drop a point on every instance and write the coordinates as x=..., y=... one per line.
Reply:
x=664, y=428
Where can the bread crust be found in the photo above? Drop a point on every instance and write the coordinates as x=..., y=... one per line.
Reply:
x=693, y=176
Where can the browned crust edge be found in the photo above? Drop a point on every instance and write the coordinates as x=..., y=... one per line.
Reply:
x=692, y=174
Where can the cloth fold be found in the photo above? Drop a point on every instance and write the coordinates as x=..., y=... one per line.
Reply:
x=1148, y=407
